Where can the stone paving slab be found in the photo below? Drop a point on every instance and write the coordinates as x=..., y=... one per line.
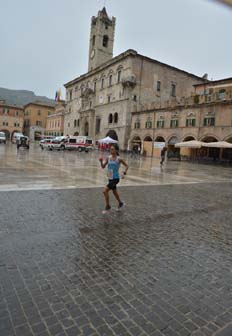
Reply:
x=162, y=266
x=227, y=331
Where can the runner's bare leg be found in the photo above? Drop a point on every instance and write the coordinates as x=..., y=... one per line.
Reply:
x=116, y=195
x=107, y=196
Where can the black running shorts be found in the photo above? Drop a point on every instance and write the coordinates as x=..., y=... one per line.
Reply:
x=112, y=185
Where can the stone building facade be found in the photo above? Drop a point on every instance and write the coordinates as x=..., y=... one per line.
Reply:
x=35, y=117
x=55, y=121
x=102, y=101
x=205, y=115
x=11, y=119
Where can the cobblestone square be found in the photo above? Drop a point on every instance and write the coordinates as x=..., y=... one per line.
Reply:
x=162, y=266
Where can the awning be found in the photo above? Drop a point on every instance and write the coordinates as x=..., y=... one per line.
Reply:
x=189, y=144
x=217, y=144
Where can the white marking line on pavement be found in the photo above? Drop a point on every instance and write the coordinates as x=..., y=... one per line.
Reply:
x=39, y=188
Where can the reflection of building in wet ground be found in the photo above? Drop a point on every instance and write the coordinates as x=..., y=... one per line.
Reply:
x=37, y=169
x=138, y=100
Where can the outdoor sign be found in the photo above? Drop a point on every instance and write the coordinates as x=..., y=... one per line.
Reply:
x=159, y=145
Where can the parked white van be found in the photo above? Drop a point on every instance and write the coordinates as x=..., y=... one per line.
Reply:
x=80, y=143
x=2, y=137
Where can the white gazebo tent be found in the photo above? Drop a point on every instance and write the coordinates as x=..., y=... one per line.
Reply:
x=107, y=140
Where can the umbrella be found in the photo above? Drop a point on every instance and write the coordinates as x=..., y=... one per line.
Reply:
x=107, y=140
x=218, y=144
x=189, y=144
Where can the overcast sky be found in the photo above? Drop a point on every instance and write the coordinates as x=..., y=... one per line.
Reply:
x=44, y=44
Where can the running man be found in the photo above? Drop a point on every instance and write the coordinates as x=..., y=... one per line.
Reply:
x=113, y=164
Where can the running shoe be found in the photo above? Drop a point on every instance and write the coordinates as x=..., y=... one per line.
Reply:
x=121, y=205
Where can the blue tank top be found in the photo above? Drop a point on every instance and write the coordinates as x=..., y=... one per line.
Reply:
x=113, y=168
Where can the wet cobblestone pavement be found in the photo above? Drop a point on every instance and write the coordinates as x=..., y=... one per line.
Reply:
x=162, y=266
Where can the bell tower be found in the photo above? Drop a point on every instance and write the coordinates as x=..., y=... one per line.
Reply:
x=101, y=39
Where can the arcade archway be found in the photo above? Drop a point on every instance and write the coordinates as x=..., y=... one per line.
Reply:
x=189, y=138
x=173, y=152
x=227, y=152
x=136, y=144
x=7, y=133
x=210, y=152
x=86, y=130
x=159, y=139
x=112, y=134
x=147, y=145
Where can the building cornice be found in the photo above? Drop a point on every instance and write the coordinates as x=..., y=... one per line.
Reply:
x=215, y=82
x=61, y=114
x=182, y=107
x=132, y=53
x=40, y=104
x=12, y=106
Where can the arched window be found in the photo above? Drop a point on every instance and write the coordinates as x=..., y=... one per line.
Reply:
x=222, y=94
x=78, y=122
x=116, y=118
x=137, y=124
x=110, y=118
x=110, y=80
x=105, y=41
x=94, y=39
x=119, y=75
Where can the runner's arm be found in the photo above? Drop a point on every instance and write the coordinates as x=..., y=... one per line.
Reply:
x=126, y=165
x=103, y=165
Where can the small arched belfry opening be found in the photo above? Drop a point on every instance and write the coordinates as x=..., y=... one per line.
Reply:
x=105, y=41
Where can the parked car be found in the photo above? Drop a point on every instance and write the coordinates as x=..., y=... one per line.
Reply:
x=45, y=141
x=2, y=137
x=57, y=143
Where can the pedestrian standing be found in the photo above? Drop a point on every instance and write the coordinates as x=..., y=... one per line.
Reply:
x=162, y=155
x=113, y=164
x=18, y=142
